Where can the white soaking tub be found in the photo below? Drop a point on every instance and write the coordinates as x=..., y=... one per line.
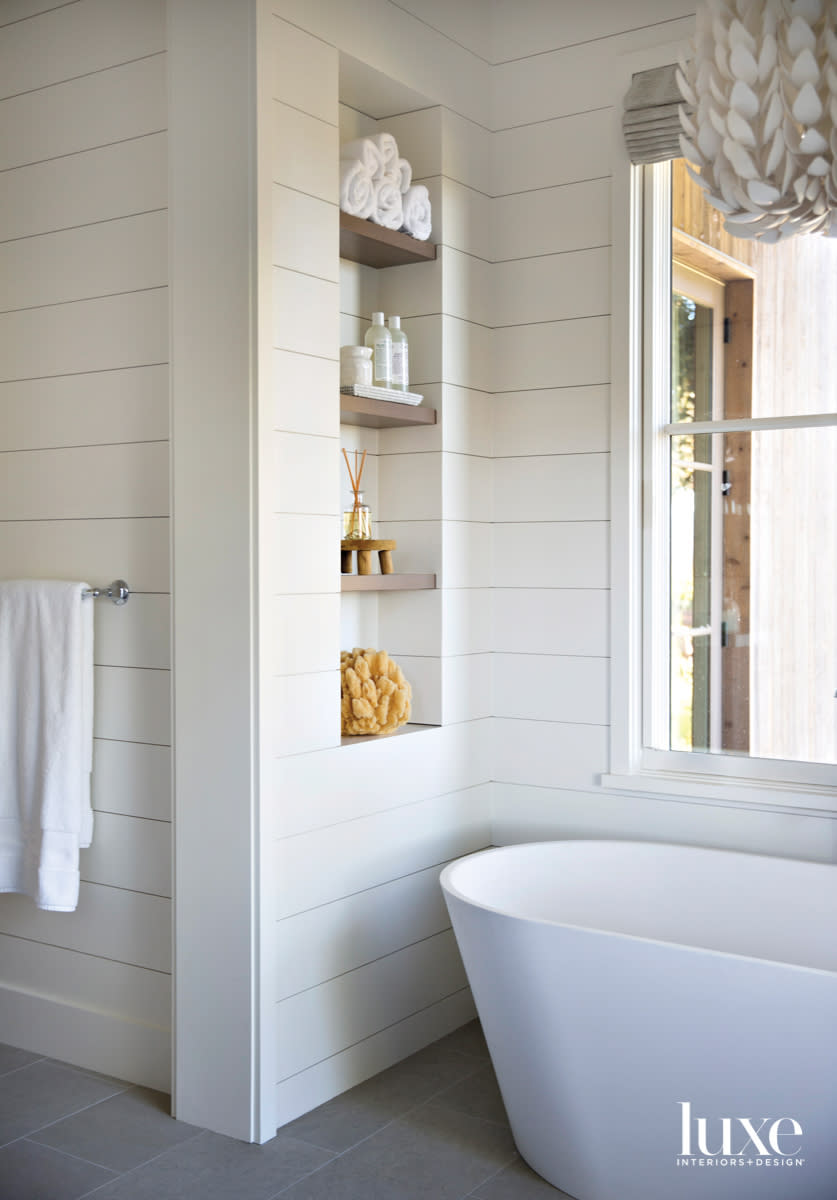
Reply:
x=662, y=1019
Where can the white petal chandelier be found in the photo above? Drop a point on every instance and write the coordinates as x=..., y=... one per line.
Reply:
x=761, y=122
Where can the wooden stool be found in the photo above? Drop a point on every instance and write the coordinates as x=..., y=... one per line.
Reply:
x=365, y=548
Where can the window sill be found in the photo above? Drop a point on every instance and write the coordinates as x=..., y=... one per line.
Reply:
x=726, y=791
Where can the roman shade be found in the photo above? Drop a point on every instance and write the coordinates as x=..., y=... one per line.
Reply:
x=651, y=121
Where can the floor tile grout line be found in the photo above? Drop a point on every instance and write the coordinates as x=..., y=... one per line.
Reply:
x=89, y=1162
x=141, y=1166
x=400, y=1117
x=22, y=1067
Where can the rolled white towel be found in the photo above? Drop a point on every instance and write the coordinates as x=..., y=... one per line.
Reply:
x=388, y=150
x=365, y=149
x=406, y=173
x=417, y=213
x=388, y=208
x=358, y=193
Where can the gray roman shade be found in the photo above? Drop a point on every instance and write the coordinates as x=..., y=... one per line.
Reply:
x=651, y=121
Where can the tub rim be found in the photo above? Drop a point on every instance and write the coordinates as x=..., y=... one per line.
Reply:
x=449, y=869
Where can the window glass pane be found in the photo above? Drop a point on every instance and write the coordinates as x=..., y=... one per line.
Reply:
x=691, y=359
x=780, y=307
x=753, y=586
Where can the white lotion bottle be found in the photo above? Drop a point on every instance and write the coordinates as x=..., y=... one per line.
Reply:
x=379, y=338
x=400, y=356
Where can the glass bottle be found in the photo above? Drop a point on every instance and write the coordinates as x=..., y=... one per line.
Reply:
x=400, y=356
x=357, y=518
x=380, y=339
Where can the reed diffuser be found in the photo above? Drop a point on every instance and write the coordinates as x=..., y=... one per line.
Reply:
x=357, y=520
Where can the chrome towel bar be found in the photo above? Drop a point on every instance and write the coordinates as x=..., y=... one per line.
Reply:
x=118, y=592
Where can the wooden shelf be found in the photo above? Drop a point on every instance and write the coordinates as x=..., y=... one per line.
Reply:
x=387, y=583
x=382, y=414
x=373, y=246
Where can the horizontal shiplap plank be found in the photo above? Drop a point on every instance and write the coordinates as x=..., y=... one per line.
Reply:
x=305, y=313
x=329, y=1018
x=306, y=233
x=549, y=753
x=86, y=481
x=409, y=487
x=530, y=28
x=550, y=621
x=305, y=714
x=22, y=10
x=304, y=479
x=304, y=71
x=80, y=189
x=132, y=705
x=548, y=153
x=551, y=220
x=331, y=1076
x=551, y=355
x=66, y=43
x=129, y=927
x=304, y=389
x=89, y=335
x=372, y=850
x=303, y=554
x=86, y=980
x=304, y=633
x=551, y=687
x=467, y=687
x=561, y=487
x=573, y=420
x=134, y=549
x=132, y=778
x=523, y=814
x=551, y=554
x=305, y=153
x=110, y=106
x=315, y=946
x=85, y=410
x=467, y=554
x=551, y=287
x=129, y=852
x=124, y=255
x=425, y=763
x=136, y=634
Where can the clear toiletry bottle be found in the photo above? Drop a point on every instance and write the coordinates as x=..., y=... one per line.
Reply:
x=380, y=339
x=400, y=356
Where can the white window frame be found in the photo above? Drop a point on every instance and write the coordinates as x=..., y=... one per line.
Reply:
x=640, y=339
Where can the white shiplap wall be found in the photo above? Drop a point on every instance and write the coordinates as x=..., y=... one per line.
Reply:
x=84, y=495
x=365, y=965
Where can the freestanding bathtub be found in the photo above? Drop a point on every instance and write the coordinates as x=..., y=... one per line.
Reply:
x=662, y=1019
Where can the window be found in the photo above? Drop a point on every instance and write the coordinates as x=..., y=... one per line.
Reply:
x=733, y=621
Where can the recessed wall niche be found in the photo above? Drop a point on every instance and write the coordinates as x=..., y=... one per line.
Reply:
x=402, y=474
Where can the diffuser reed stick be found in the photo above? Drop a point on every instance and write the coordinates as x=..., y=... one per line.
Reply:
x=356, y=522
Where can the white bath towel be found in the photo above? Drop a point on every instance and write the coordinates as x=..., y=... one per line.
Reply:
x=46, y=738
x=417, y=219
x=357, y=188
x=366, y=151
x=406, y=173
x=388, y=150
x=388, y=209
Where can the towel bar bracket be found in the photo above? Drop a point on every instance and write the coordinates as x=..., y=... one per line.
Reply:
x=118, y=592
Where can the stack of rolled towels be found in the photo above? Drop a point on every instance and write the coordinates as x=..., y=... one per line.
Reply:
x=376, y=184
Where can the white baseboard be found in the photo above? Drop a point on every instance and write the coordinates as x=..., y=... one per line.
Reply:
x=337, y=1074
x=95, y=1041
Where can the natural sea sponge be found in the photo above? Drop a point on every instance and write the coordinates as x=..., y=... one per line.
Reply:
x=374, y=695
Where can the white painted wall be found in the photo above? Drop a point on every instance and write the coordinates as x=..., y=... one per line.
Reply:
x=559, y=277
x=365, y=968
x=84, y=495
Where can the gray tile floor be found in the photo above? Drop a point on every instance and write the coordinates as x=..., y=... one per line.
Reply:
x=432, y=1127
